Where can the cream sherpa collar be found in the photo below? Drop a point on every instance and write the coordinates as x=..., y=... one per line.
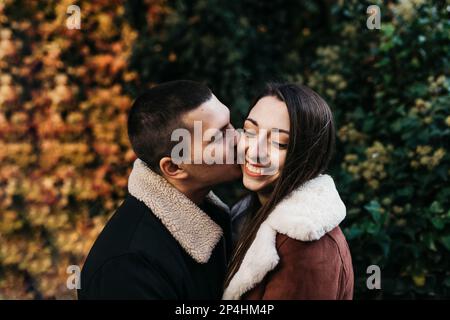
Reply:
x=306, y=215
x=194, y=230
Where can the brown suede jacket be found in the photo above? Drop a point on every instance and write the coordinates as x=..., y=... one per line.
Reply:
x=299, y=252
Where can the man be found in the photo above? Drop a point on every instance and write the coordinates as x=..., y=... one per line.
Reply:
x=170, y=238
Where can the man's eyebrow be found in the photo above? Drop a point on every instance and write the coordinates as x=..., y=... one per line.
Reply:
x=222, y=129
x=225, y=127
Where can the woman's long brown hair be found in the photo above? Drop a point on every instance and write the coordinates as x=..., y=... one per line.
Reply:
x=311, y=144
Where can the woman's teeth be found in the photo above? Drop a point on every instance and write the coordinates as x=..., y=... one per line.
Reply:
x=253, y=169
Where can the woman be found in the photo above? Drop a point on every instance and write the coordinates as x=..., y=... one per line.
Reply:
x=290, y=245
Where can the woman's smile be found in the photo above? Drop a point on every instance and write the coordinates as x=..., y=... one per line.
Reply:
x=253, y=170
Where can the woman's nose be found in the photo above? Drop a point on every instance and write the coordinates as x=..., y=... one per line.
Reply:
x=257, y=150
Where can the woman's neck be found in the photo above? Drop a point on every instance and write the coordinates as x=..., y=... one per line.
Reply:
x=263, y=197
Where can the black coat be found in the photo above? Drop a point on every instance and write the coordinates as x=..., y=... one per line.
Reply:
x=137, y=257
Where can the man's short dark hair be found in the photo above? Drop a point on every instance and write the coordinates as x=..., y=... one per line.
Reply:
x=157, y=112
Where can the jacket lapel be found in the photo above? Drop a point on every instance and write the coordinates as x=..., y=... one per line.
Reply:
x=305, y=215
x=194, y=230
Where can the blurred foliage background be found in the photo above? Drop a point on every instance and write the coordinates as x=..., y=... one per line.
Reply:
x=64, y=96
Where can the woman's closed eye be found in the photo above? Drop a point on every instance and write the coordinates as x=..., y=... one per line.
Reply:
x=250, y=133
x=280, y=145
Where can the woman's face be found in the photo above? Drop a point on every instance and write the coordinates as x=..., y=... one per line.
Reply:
x=266, y=130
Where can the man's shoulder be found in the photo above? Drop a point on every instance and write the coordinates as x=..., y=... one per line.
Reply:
x=120, y=231
x=133, y=228
x=132, y=231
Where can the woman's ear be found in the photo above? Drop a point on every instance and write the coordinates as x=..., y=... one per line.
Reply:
x=172, y=170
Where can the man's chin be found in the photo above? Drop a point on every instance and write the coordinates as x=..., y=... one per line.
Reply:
x=234, y=171
x=230, y=172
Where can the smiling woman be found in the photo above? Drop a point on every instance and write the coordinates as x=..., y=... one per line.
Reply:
x=290, y=245
x=267, y=140
x=65, y=93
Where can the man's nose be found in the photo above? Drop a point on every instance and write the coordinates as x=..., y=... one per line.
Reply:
x=237, y=137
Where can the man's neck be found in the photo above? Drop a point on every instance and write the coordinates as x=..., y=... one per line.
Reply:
x=196, y=195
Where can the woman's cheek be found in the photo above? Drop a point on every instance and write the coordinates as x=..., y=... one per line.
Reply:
x=278, y=158
x=282, y=158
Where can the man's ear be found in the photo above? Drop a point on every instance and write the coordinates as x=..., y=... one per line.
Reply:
x=172, y=170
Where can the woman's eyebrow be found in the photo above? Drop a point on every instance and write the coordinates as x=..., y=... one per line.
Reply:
x=281, y=130
x=219, y=131
x=252, y=121
x=273, y=129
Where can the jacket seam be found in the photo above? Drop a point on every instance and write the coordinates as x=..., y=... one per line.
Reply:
x=342, y=270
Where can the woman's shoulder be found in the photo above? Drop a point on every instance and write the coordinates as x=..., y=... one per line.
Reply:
x=310, y=211
x=328, y=255
x=332, y=245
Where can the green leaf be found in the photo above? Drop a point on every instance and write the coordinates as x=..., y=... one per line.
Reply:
x=436, y=207
x=447, y=282
x=372, y=228
x=446, y=242
x=353, y=232
x=374, y=209
x=438, y=223
x=388, y=29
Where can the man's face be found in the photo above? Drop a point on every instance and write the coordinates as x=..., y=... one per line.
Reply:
x=215, y=147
